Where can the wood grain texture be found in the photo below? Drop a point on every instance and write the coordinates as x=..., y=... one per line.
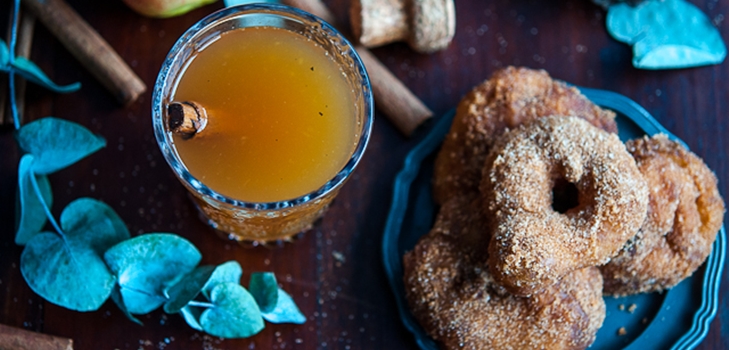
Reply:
x=347, y=301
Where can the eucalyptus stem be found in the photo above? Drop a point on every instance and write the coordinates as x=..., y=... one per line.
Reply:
x=11, y=61
x=144, y=292
x=47, y=210
x=200, y=304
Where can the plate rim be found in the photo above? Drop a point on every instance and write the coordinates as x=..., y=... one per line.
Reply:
x=703, y=316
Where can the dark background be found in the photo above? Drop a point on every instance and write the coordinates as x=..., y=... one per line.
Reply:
x=348, y=303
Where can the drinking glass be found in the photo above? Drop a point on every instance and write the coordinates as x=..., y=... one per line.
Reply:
x=233, y=218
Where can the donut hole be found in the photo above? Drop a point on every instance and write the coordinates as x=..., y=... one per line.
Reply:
x=565, y=196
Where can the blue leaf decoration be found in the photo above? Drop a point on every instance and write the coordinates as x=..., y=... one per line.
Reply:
x=4, y=55
x=285, y=311
x=30, y=213
x=235, y=314
x=119, y=301
x=226, y=272
x=187, y=288
x=264, y=289
x=31, y=72
x=666, y=34
x=94, y=223
x=192, y=316
x=57, y=143
x=146, y=265
x=68, y=271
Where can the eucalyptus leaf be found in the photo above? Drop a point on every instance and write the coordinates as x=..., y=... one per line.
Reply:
x=31, y=72
x=192, y=316
x=31, y=215
x=145, y=265
x=226, y=272
x=4, y=55
x=66, y=272
x=187, y=288
x=235, y=315
x=94, y=223
x=285, y=311
x=119, y=301
x=57, y=143
x=666, y=34
x=264, y=289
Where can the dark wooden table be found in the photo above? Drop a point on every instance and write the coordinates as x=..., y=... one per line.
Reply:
x=347, y=301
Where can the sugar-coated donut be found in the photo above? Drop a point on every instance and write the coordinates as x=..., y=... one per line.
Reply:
x=685, y=212
x=454, y=297
x=533, y=245
x=511, y=97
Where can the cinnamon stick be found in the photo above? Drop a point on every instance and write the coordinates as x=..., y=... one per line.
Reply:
x=22, y=48
x=12, y=338
x=186, y=118
x=89, y=48
x=426, y=25
x=26, y=26
x=392, y=97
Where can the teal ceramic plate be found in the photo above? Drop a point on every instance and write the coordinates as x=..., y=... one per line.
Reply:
x=676, y=319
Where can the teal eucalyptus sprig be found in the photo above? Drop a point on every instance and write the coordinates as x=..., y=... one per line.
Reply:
x=89, y=256
x=666, y=34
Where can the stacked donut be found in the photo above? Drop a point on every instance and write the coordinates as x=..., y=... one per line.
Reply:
x=544, y=210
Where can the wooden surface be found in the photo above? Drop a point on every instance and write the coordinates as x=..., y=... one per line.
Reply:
x=347, y=301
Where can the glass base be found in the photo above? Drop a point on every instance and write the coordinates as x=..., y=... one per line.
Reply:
x=251, y=227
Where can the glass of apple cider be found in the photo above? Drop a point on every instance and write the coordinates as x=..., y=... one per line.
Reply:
x=284, y=112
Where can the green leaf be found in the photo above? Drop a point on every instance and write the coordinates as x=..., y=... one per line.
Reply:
x=57, y=143
x=180, y=7
x=666, y=34
x=31, y=216
x=187, y=288
x=31, y=72
x=264, y=289
x=235, y=315
x=119, y=301
x=145, y=265
x=227, y=272
x=94, y=223
x=192, y=316
x=67, y=273
x=286, y=311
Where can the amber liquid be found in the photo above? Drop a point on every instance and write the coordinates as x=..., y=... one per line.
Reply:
x=281, y=118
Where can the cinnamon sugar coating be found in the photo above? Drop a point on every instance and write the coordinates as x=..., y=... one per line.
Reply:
x=685, y=212
x=511, y=97
x=533, y=245
x=454, y=297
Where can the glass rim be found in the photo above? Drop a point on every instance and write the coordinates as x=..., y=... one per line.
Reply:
x=178, y=166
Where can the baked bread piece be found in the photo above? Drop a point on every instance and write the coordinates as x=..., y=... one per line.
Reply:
x=454, y=297
x=685, y=212
x=533, y=244
x=511, y=97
